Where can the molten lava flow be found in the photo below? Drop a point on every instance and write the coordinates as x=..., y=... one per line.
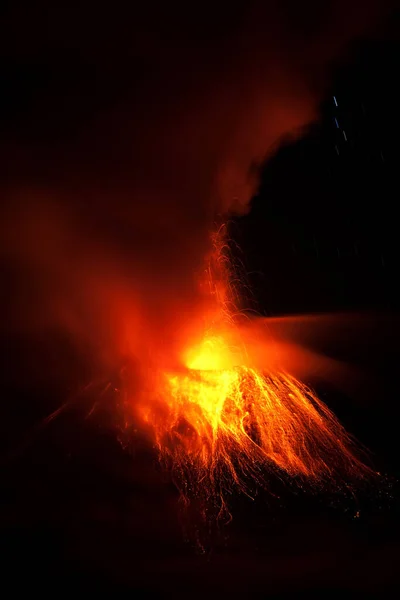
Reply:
x=219, y=422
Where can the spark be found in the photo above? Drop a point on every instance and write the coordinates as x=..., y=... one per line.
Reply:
x=221, y=423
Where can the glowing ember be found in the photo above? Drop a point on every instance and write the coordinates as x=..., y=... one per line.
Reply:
x=221, y=423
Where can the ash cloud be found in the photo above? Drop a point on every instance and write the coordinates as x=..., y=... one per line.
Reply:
x=125, y=132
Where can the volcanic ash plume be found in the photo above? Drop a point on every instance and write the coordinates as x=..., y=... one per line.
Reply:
x=125, y=136
x=133, y=138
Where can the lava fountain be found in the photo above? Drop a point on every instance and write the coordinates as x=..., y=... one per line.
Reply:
x=227, y=415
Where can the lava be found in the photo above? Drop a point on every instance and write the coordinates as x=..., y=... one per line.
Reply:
x=220, y=422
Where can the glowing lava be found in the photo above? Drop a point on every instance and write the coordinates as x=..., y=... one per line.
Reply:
x=221, y=423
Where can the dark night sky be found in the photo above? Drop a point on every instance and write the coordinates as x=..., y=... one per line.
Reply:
x=325, y=217
x=79, y=512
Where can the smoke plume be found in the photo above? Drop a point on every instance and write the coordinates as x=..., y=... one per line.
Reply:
x=126, y=133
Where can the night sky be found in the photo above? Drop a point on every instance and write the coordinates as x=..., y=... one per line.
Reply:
x=326, y=209
x=96, y=112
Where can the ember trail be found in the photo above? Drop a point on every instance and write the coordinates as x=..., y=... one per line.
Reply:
x=220, y=422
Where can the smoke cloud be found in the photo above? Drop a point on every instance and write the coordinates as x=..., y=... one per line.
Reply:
x=125, y=134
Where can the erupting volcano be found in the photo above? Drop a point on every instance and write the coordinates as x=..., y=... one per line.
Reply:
x=227, y=416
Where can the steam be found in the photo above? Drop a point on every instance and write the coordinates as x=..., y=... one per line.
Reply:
x=128, y=135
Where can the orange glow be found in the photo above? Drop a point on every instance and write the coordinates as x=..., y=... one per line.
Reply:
x=221, y=422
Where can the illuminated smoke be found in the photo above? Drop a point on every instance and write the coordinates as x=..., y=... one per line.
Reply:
x=138, y=128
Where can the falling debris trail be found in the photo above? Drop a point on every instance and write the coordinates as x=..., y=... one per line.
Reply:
x=222, y=424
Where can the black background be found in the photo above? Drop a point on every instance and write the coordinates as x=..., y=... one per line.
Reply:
x=81, y=512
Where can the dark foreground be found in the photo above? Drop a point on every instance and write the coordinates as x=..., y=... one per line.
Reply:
x=80, y=513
